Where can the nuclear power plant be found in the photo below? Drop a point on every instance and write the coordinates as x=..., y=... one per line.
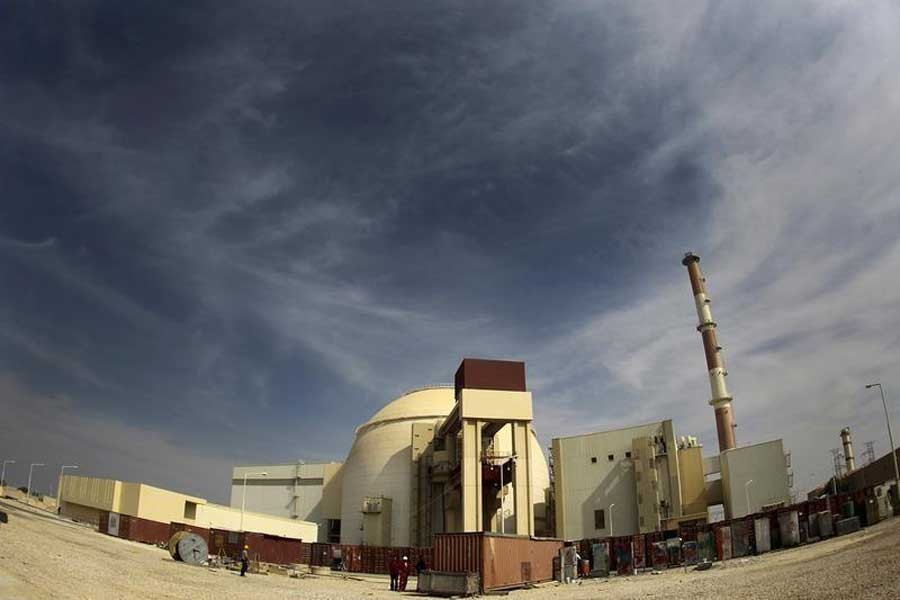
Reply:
x=448, y=458
x=465, y=457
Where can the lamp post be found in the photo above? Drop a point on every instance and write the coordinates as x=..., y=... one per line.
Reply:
x=244, y=494
x=3, y=475
x=30, y=469
x=747, y=493
x=59, y=486
x=887, y=418
x=611, y=519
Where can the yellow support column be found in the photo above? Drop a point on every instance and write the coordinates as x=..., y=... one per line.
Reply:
x=522, y=479
x=471, y=475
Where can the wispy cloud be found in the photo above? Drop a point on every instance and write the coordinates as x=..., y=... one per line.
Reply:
x=272, y=225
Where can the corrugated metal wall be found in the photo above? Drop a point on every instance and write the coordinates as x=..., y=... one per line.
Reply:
x=458, y=552
x=510, y=561
x=502, y=561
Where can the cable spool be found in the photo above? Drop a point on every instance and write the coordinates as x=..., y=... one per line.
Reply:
x=173, y=543
x=192, y=549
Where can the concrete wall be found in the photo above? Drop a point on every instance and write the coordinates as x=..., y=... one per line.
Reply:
x=216, y=516
x=764, y=464
x=81, y=513
x=162, y=506
x=693, y=485
x=380, y=461
x=583, y=486
x=90, y=491
x=305, y=491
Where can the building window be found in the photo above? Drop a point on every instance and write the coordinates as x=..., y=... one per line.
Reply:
x=190, y=510
x=611, y=457
x=593, y=459
x=628, y=455
x=599, y=520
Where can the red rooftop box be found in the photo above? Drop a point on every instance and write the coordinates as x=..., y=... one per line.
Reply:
x=482, y=374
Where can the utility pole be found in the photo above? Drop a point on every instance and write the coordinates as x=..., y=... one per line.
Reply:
x=59, y=486
x=837, y=457
x=887, y=418
x=3, y=475
x=869, y=453
x=30, y=470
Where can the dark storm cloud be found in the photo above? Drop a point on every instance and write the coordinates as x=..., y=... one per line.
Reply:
x=241, y=229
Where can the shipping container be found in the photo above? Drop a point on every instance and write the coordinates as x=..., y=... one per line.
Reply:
x=640, y=552
x=600, y=564
x=691, y=551
x=624, y=556
x=761, y=530
x=706, y=546
x=740, y=537
x=789, y=528
x=263, y=547
x=660, y=558
x=143, y=530
x=503, y=561
x=723, y=542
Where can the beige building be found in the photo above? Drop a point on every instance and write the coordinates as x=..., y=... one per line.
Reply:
x=638, y=479
x=746, y=486
x=89, y=499
x=305, y=491
x=625, y=481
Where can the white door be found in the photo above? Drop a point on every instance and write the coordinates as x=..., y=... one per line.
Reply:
x=113, y=527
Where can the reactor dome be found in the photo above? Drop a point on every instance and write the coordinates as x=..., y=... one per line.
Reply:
x=380, y=462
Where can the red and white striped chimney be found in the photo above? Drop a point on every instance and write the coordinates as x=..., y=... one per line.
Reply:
x=721, y=400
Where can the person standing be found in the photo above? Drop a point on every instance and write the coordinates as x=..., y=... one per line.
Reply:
x=421, y=567
x=404, y=574
x=394, y=570
x=245, y=560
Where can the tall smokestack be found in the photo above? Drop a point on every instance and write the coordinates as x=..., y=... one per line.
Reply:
x=721, y=400
x=847, y=440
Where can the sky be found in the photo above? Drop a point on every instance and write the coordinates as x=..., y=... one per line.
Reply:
x=231, y=232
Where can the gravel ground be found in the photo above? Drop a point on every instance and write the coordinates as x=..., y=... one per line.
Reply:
x=44, y=557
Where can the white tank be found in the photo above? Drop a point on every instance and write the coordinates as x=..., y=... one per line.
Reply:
x=380, y=462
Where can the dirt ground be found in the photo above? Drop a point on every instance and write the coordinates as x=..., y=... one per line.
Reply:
x=45, y=557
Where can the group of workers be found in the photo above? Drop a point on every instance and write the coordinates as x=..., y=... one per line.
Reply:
x=398, y=568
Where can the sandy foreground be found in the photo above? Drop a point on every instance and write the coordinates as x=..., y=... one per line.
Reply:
x=45, y=557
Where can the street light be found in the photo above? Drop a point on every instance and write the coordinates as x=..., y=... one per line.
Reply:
x=244, y=494
x=887, y=417
x=610, y=519
x=747, y=493
x=3, y=475
x=59, y=487
x=30, y=469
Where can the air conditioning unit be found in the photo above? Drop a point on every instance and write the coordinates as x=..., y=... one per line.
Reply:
x=371, y=505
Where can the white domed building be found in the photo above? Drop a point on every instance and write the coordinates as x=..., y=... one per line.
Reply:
x=382, y=464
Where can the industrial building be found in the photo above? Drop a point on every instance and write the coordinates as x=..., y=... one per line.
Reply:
x=638, y=479
x=465, y=458
x=104, y=503
x=448, y=458
x=304, y=491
